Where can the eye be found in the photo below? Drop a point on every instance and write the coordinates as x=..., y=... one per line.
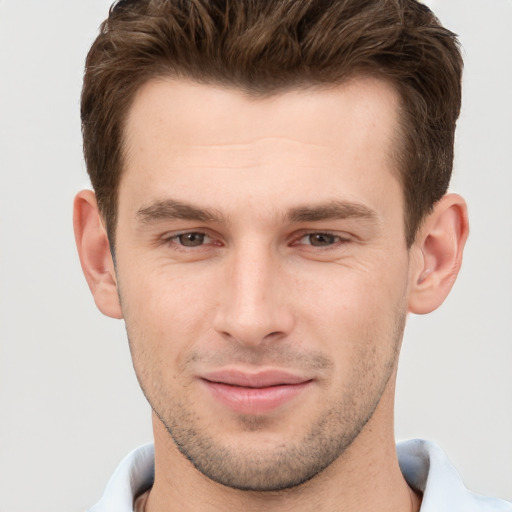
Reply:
x=193, y=239
x=320, y=239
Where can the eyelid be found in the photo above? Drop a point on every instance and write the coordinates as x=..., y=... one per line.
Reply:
x=341, y=237
x=171, y=239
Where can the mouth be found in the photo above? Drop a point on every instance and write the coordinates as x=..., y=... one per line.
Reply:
x=255, y=393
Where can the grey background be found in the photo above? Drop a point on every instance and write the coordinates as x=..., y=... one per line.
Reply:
x=70, y=407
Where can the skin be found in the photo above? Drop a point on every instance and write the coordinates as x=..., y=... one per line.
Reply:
x=257, y=234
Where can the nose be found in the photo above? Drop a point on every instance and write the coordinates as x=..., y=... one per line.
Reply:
x=254, y=303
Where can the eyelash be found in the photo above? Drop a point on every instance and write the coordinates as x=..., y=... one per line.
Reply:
x=173, y=240
x=338, y=239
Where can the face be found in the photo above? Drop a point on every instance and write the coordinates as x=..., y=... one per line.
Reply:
x=262, y=271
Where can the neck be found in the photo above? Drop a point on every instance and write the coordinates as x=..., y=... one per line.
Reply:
x=365, y=477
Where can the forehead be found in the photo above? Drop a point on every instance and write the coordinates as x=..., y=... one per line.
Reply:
x=199, y=110
x=183, y=137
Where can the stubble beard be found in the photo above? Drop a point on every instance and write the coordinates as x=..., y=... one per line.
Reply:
x=266, y=470
x=291, y=463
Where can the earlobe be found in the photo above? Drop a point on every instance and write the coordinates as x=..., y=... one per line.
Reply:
x=439, y=246
x=94, y=252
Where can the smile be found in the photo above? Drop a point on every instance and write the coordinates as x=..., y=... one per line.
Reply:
x=255, y=394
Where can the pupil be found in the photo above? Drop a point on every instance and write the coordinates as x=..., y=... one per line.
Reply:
x=191, y=239
x=321, y=239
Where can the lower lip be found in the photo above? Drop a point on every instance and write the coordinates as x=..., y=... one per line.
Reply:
x=254, y=401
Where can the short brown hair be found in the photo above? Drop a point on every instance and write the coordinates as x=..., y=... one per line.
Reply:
x=267, y=46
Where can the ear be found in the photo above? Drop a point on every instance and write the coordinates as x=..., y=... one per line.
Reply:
x=438, y=254
x=94, y=252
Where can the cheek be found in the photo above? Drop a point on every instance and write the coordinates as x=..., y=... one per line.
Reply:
x=357, y=291
x=167, y=310
x=349, y=310
x=169, y=294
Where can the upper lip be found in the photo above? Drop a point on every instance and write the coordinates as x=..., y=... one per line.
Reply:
x=259, y=379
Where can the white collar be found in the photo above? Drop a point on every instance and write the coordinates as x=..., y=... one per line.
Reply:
x=423, y=464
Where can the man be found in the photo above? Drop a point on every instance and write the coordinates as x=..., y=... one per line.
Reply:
x=270, y=202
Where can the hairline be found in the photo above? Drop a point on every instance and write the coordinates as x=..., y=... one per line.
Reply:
x=398, y=143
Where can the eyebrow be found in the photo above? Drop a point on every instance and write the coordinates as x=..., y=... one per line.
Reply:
x=330, y=211
x=170, y=209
